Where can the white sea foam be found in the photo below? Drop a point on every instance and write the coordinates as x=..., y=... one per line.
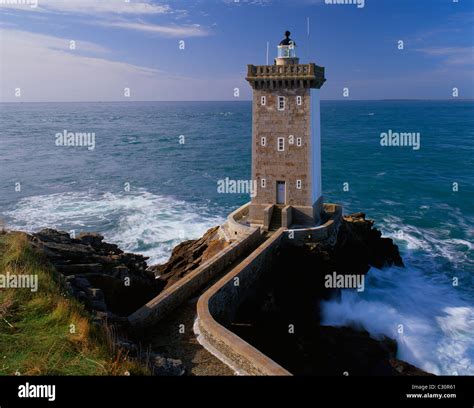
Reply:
x=139, y=222
x=437, y=325
x=437, y=242
x=437, y=317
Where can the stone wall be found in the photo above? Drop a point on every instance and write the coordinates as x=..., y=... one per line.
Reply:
x=219, y=305
x=326, y=231
x=236, y=228
x=294, y=162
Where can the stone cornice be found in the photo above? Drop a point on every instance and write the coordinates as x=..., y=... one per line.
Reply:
x=285, y=76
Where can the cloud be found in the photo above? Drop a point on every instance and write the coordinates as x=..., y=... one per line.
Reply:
x=111, y=13
x=164, y=30
x=24, y=39
x=45, y=69
x=87, y=6
x=451, y=55
x=249, y=2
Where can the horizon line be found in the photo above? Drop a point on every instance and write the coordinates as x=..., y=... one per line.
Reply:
x=245, y=100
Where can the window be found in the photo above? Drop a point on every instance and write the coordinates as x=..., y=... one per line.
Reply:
x=298, y=141
x=299, y=100
x=263, y=100
x=281, y=103
x=298, y=184
x=281, y=144
x=263, y=141
x=263, y=183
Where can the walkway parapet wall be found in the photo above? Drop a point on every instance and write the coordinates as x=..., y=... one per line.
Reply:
x=219, y=305
x=327, y=231
x=168, y=300
x=234, y=221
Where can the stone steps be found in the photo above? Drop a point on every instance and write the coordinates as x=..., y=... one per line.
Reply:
x=275, y=222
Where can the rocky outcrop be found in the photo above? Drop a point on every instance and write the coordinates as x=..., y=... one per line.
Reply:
x=166, y=366
x=187, y=256
x=358, y=241
x=406, y=369
x=111, y=283
x=359, y=246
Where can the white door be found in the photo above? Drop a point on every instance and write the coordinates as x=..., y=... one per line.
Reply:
x=281, y=193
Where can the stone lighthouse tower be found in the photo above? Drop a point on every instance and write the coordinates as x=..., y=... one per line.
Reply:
x=286, y=140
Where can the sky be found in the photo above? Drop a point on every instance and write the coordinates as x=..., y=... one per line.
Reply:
x=183, y=50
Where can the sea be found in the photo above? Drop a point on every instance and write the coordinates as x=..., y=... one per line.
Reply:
x=150, y=181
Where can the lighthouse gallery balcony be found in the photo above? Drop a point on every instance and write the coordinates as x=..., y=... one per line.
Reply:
x=294, y=76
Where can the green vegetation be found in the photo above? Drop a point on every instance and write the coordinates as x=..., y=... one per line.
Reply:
x=47, y=332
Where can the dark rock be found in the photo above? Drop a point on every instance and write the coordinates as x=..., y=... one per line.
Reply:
x=120, y=272
x=344, y=351
x=403, y=368
x=96, y=294
x=74, y=269
x=92, y=239
x=360, y=245
x=97, y=305
x=166, y=366
x=94, y=271
x=128, y=346
x=82, y=283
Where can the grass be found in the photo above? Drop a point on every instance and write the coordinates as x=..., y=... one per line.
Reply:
x=47, y=332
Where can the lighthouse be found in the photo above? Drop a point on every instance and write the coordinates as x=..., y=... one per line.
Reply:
x=286, y=140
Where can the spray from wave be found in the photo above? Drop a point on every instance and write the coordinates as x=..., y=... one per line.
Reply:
x=431, y=318
x=139, y=222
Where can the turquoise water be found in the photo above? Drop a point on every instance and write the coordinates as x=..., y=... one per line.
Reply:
x=173, y=196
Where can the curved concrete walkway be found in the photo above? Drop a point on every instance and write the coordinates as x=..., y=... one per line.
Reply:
x=233, y=350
